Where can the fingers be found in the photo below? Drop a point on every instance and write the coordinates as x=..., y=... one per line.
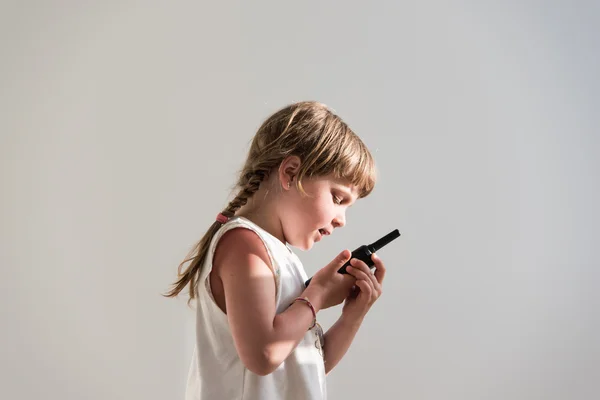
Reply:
x=359, y=271
x=379, y=268
x=366, y=288
x=360, y=275
x=359, y=265
x=365, y=278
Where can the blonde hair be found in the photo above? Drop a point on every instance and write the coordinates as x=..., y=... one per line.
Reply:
x=323, y=142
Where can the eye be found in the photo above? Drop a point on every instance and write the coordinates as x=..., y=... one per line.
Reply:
x=336, y=199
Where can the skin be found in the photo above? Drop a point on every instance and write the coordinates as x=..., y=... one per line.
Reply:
x=242, y=279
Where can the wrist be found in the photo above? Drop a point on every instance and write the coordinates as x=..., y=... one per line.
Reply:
x=312, y=309
x=314, y=295
x=352, y=318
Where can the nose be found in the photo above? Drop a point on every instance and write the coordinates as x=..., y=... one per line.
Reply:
x=339, y=221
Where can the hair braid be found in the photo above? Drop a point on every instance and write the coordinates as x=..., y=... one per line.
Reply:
x=251, y=182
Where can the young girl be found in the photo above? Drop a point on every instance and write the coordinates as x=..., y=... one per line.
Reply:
x=257, y=335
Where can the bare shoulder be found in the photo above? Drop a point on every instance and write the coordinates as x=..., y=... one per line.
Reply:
x=239, y=251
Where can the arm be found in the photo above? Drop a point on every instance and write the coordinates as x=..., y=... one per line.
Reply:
x=263, y=339
x=340, y=336
x=338, y=339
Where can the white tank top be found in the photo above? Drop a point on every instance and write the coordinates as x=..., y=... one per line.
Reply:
x=217, y=373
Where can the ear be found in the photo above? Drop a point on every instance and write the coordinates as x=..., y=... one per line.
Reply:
x=288, y=169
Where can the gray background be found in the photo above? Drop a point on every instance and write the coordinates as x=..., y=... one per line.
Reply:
x=123, y=125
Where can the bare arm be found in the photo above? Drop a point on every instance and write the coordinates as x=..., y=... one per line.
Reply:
x=262, y=338
x=340, y=336
x=338, y=339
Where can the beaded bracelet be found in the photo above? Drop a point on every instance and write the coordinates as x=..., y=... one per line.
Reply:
x=305, y=300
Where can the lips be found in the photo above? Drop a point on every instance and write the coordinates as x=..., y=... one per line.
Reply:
x=323, y=232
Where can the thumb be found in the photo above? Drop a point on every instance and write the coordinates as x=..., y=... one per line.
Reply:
x=340, y=260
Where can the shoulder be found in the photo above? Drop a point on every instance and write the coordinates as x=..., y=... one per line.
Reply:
x=240, y=246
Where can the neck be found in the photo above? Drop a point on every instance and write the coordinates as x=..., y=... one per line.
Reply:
x=260, y=210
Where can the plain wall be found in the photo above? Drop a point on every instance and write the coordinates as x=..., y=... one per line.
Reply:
x=123, y=125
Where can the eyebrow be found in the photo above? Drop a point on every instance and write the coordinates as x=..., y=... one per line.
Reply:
x=347, y=191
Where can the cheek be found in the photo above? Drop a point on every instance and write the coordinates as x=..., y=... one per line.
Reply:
x=300, y=217
x=309, y=214
x=323, y=210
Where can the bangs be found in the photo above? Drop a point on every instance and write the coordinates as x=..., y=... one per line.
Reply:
x=355, y=165
x=328, y=147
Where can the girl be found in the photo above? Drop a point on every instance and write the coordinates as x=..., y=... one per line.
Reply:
x=257, y=335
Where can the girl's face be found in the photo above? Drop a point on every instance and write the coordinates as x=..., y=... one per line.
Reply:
x=306, y=219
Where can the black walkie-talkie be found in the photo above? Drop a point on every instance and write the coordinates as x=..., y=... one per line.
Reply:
x=364, y=252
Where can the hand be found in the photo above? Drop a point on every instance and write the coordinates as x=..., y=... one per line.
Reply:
x=329, y=288
x=368, y=287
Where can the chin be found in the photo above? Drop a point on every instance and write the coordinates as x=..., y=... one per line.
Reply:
x=304, y=245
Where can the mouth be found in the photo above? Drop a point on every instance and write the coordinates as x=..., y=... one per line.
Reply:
x=324, y=232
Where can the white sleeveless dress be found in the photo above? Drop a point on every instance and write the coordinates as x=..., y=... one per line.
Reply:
x=217, y=372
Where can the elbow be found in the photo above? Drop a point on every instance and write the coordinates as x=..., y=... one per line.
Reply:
x=261, y=363
x=261, y=370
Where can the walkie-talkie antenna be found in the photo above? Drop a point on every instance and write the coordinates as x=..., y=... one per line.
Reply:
x=385, y=240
